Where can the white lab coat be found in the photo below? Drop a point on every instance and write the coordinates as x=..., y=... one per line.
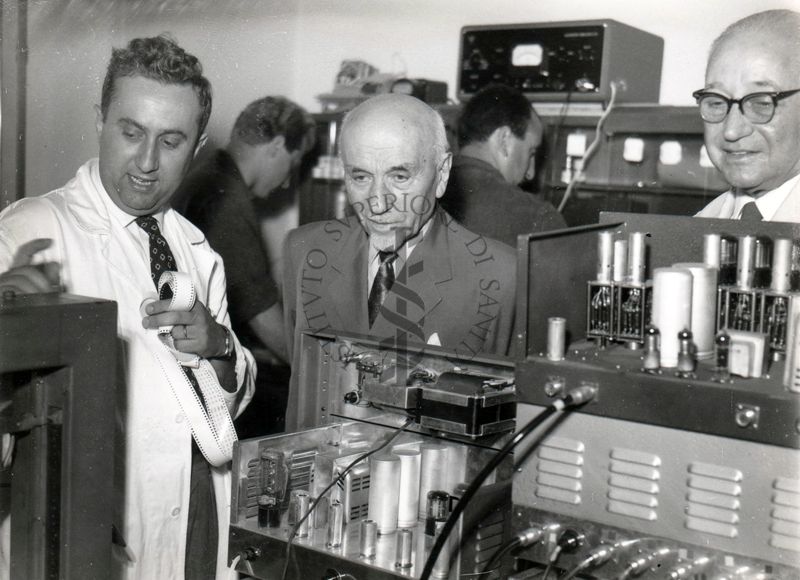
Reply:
x=153, y=458
x=724, y=206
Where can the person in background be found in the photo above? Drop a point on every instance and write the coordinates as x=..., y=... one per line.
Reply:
x=498, y=135
x=110, y=233
x=267, y=143
x=401, y=270
x=751, y=110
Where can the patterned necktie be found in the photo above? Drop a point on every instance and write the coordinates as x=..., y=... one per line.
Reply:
x=750, y=212
x=381, y=285
x=162, y=260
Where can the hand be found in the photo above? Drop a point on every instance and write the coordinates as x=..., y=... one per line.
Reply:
x=194, y=331
x=25, y=278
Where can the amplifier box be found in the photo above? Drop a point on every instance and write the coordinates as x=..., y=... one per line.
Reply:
x=562, y=61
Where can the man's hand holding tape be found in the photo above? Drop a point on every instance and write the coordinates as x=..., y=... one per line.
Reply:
x=194, y=331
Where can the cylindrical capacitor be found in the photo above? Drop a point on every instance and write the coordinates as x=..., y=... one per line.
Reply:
x=652, y=356
x=636, y=257
x=384, y=489
x=438, y=509
x=704, y=305
x=335, y=524
x=556, y=337
x=405, y=544
x=745, y=269
x=762, y=263
x=620, y=260
x=605, y=256
x=781, y=265
x=711, y=250
x=302, y=501
x=269, y=513
x=369, y=539
x=728, y=252
x=408, y=504
x=672, y=309
x=433, y=473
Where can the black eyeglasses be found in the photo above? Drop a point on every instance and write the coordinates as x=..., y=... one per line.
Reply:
x=756, y=107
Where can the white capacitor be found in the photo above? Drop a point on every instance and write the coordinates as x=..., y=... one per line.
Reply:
x=408, y=507
x=704, y=306
x=556, y=338
x=433, y=473
x=781, y=264
x=745, y=267
x=672, y=309
x=636, y=257
x=711, y=249
x=620, y=260
x=605, y=256
x=384, y=490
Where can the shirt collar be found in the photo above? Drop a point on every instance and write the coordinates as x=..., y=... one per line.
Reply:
x=405, y=250
x=767, y=203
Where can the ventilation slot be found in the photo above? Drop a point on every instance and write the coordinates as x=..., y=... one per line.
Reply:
x=713, y=499
x=785, y=525
x=560, y=470
x=633, y=484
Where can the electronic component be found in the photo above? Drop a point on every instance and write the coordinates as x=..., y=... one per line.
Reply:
x=562, y=61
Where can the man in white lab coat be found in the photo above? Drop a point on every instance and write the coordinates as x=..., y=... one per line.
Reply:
x=751, y=109
x=151, y=122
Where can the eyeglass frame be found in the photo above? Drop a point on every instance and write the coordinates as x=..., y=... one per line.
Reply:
x=776, y=97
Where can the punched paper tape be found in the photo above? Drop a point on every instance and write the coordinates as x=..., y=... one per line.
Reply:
x=211, y=424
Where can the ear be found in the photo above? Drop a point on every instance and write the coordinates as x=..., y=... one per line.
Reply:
x=200, y=143
x=504, y=136
x=443, y=174
x=276, y=144
x=98, y=120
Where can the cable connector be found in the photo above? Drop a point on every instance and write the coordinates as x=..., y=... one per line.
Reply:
x=530, y=536
x=570, y=541
x=580, y=395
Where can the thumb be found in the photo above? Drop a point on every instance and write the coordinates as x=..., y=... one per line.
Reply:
x=26, y=251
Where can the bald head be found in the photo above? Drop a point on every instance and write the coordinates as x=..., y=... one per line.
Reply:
x=757, y=54
x=396, y=161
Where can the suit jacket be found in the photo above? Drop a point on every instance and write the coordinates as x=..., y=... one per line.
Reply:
x=456, y=284
x=722, y=207
x=479, y=197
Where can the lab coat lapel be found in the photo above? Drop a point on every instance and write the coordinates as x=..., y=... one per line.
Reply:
x=789, y=210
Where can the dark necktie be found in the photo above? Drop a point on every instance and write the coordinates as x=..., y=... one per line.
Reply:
x=750, y=212
x=161, y=260
x=381, y=285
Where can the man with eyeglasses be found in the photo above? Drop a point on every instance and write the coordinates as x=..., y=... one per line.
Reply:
x=751, y=109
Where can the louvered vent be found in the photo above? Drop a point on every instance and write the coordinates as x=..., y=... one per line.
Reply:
x=250, y=499
x=560, y=470
x=785, y=525
x=301, y=469
x=713, y=499
x=633, y=483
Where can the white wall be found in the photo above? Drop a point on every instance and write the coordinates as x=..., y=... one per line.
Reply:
x=294, y=47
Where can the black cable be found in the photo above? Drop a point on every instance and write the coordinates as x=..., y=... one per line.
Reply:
x=335, y=481
x=575, y=397
x=496, y=559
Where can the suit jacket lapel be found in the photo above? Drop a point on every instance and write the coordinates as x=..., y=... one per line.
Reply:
x=346, y=299
x=420, y=286
x=789, y=210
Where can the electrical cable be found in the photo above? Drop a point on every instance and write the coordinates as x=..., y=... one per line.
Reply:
x=336, y=480
x=575, y=397
x=600, y=555
x=587, y=155
x=523, y=539
x=638, y=566
x=551, y=561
